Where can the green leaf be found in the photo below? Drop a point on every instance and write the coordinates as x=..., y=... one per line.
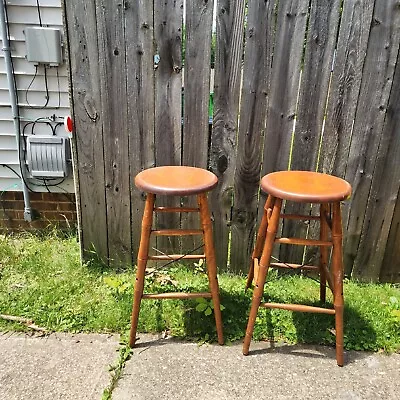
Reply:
x=396, y=313
x=112, y=282
x=222, y=307
x=201, y=307
x=208, y=311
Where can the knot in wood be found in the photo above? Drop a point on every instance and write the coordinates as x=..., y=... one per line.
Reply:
x=222, y=164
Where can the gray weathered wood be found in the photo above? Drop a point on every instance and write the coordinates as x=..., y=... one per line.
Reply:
x=197, y=82
x=168, y=111
x=384, y=190
x=256, y=79
x=320, y=46
x=345, y=85
x=196, y=97
x=85, y=93
x=288, y=50
x=390, y=269
x=345, y=88
x=111, y=40
x=139, y=35
x=229, y=52
x=367, y=132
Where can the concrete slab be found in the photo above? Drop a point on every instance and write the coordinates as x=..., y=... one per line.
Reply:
x=56, y=367
x=168, y=369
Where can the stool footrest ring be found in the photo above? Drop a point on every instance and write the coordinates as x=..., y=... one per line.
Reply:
x=168, y=257
x=176, y=295
x=177, y=232
x=299, y=307
x=303, y=242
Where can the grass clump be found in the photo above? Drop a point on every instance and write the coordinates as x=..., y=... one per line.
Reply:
x=42, y=279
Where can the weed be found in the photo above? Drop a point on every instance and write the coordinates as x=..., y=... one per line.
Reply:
x=42, y=279
x=125, y=353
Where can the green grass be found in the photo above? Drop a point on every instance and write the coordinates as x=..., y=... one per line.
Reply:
x=41, y=278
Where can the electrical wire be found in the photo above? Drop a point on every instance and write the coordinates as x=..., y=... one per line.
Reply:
x=59, y=90
x=47, y=97
x=39, y=14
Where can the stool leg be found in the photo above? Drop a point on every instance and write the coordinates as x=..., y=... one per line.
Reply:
x=260, y=238
x=211, y=263
x=141, y=264
x=324, y=251
x=264, y=264
x=337, y=270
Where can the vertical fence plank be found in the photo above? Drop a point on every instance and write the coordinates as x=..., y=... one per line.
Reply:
x=111, y=36
x=316, y=72
x=85, y=94
x=374, y=94
x=384, y=189
x=230, y=20
x=259, y=45
x=168, y=118
x=390, y=271
x=199, y=14
x=345, y=85
x=288, y=50
x=197, y=82
x=139, y=35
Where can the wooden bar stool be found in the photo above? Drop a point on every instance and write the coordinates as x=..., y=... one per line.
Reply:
x=176, y=181
x=304, y=187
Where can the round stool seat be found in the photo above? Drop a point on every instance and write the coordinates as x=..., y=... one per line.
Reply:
x=306, y=186
x=176, y=180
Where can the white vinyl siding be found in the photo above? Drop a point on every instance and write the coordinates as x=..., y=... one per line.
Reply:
x=22, y=14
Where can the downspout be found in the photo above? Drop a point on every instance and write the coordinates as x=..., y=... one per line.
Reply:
x=14, y=107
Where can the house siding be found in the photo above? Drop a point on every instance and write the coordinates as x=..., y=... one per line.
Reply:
x=23, y=14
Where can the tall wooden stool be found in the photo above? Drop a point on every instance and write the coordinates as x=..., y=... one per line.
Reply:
x=176, y=181
x=304, y=187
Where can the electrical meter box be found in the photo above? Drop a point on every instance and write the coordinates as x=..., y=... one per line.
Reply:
x=43, y=45
x=48, y=156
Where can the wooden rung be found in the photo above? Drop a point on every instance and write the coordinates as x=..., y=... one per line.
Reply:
x=303, y=242
x=299, y=307
x=177, y=232
x=301, y=217
x=176, y=209
x=294, y=266
x=177, y=257
x=176, y=295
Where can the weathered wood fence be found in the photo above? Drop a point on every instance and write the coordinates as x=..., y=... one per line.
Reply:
x=299, y=84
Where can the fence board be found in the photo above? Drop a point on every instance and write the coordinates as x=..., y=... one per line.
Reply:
x=320, y=47
x=111, y=39
x=390, y=269
x=229, y=21
x=384, y=190
x=374, y=94
x=199, y=15
x=139, y=35
x=85, y=93
x=259, y=39
x=168, y=87
x=291, y=25
x=345, y=85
